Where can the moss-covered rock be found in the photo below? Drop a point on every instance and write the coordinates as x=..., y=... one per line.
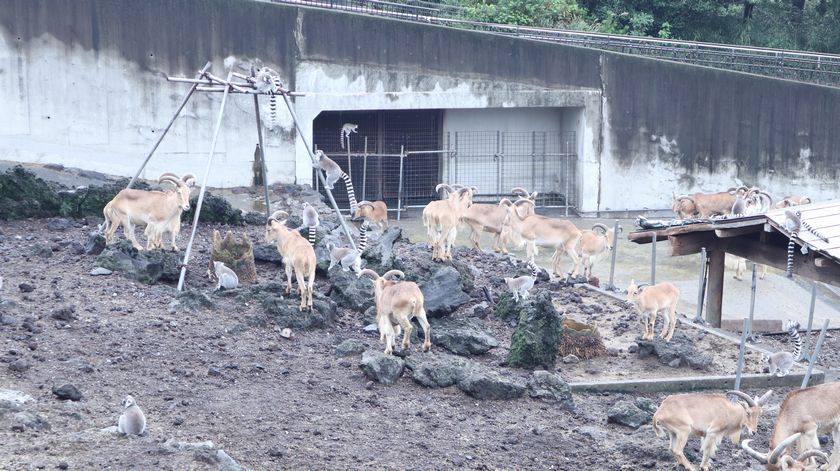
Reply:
x=507, y=308
x=214, y=209
x=535, y=340
x=23, y=195
x=148, y=267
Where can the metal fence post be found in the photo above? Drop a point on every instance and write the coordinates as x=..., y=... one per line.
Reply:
x=364, y=171
x=653, y=261
x=803, y=354
x=702, y=287
x=400, y=190
x=566, y=191
x=498, y=158
x=751, y=334
x=349, y=158
x=611, y=284
x=813, y=358
x=741, y=357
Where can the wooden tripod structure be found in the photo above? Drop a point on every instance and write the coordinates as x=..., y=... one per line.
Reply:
x=209, y=83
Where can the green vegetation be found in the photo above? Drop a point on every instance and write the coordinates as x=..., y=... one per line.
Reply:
x=812, y=25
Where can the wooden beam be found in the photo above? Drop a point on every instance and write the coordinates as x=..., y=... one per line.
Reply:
x=714, y=290
x=737, y=231
x=687, y=244
x=822, y=262
x=775, y=255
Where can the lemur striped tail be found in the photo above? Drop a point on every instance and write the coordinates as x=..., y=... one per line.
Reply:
x=363, y=237
x=312, y=231
x=810, y=229
x=351, y=195
x=797, y=341
x=272, y=103
x=535, y=270
x=790, y=250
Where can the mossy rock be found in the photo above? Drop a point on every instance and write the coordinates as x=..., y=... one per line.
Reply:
x=214, y=209
x=23, y=195
x=507, y=308
x=537, y=335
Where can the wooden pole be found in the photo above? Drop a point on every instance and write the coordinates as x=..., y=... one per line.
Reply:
x=203, y=189
x=701, y=289
x=714, y=303
x=168, y=126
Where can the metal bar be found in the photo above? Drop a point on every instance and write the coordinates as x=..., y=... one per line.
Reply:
x=218, y=89
x=534, y=165
x=611, y=284
x=740, y=366
x=349, y=159
x=400, y=190
x=216, y=130
x=566, y=197
x=498, y=158
x=262, y=156
x=364, y=172
x=701, y=291
x=813, y=358
x=320, y=175
x=750, y=332
x=653, y=261
x=168, y=126
x=807, y=346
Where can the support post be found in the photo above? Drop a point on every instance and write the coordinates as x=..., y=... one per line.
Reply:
x=611, y=284
x=203, y=186
x=349, y=158
x=400, y=190
x=814, y=355
x=803, y=354
x=566, y=191
x=262, y=153
x=320, y=175
x=364, y=172
x=168, y=126
x=715, y=293
x=751, y=334
x=701, y=290
x=740, y=366
x=653, y=260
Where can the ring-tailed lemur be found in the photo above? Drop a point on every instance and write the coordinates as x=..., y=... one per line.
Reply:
x=781, y=362
x=346, y=130
x=521, y=285
x=310, y=219
x=333, y=173
x=809, y=228
x=792, y=223
x=347, y=257
x=268, y=81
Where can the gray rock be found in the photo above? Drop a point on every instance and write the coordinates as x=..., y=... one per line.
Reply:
x=148, y=267
x=193, y=301
x=380, y=252
x=485, y=383
x=26, y=288
x=385, y=369
x=267, y=253
x=437, y=369
x=20, y=365
x=13, y=400
x=77, y=248
x=350, y=291
x=58, y=224
x=442, y=292
x=285, y=312
x=535, y=341
x=32, y=420
x=8, y=319
x=99, y=271
x=42, y=250
x=629, y=413
x=253, y=218
x=67, y=392
x=81, y=364
x=462, y=336
x=550, y=387
x=65, y=313
x=594, y=433
x=350, y=347
x=95, y=244
x=371, y=328
x=680, y=348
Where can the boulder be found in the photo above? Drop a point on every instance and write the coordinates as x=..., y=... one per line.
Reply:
x=581, y=340
x=437, y=369
x=385, y=369
x=484, y=383
x=442, y=292
x=23, y=195
x=13, y=400
x=194, y=300
x=679, y=351
x=213, y=209
x=58, y=224
x=462, y=336
x=350, y=347
x=550, y=387
x=32, y=420
x=64, y=313
x=535, y=340
x=284, y=311
x=236, y=253
x=149, y=267
x=67, y=392
x=351, y=291
x=95, y=244
x=631, y=414
x=266, y=252
x=380, y=251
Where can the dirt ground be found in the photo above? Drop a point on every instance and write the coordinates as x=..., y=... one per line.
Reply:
x=273, y=403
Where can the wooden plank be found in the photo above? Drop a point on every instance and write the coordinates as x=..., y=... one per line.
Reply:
x=822, y=262
x=736, y=231
x=687, y=244
x=714, y=292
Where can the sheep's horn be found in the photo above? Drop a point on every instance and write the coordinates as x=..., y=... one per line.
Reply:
x=187, y=177
x=525, y=202
x=369, y=273
x=600, y=226
x=761, y=457
x=278, y=215
x=168, y=174
x=746, y=397
x=444, y=186
x=505, y=202
x=774, y=456
x=763, y=399
x=518, y=191
x=813, y=454
x=391, y=273
x=364, y=203
x=174, y=180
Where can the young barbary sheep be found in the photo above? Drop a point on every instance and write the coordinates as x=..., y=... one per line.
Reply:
x=710, y=416
x=375, y=212
x=649, y=300
x=298, y=256
x=397, y=302
x=132, y=421
x=594, y=245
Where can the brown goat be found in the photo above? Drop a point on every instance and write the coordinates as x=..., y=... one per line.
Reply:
x=397, y=302
x=298, y=256
x=375, y=212
x=649, y=300
x=704, y=205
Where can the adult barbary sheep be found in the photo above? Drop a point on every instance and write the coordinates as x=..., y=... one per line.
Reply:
x=705, y=205
x=441, y=218
x=159, y=211
x=710, y=416
x=649, y=300
x=298, y=256
x=482, y=217
x=594, y=245
x=373, y=212
x=397, y=302
x=533, y=230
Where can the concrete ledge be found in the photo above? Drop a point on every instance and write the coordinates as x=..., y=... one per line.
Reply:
x=696, y=383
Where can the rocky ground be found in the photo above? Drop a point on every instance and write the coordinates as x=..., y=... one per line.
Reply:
x=223, y=388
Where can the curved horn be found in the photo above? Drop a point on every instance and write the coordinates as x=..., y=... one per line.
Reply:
x=444, y=186
x=813, y=453
x=369, y=273
x=505, y=202
x=600, y=226
x=456, y=186
x=168, y=174
x=391, y=273
x=533, y=195
x=763, y=399
x=187, y=177
x=519, y=191
x=364, y=203
x=168, y=178
x=525, y=201
x=805, y=200
x=761, y=457
x=746, y=397
x=278, y=215
x=777, y=453
x=474, y=189
x=686, y=197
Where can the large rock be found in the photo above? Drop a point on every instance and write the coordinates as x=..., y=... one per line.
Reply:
x=95, y=244
x=443, y=293
x=385, y=369
x=380, y=251
x=213, y=209
x=266, y=252
x=24, y=195
x=550, y=387
x=631, y=413
x=534, y=342
x=67, y=392
x=351, y=291
x=236, y=253
x=485, y=383
x=679, y=351
x=149, y=267
x=462, y=336
x=284, y=311
x=437, y=369
x=350, y=347
x=32, y=420
x=13, y=400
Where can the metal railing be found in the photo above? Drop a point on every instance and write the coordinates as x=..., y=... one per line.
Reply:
x=808, y=67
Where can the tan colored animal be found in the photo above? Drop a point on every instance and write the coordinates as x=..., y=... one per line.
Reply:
x=298, y=256
x=704, y=205
x=533, y=230
x=375, y=212
x=159, y=211
x=710, y=416
x=805, y=413
x=482, y=217
x=649, y=301
x=739, y=264
x=792, y=200
x=594, y=245
x=441, y=218
x=397, y=302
